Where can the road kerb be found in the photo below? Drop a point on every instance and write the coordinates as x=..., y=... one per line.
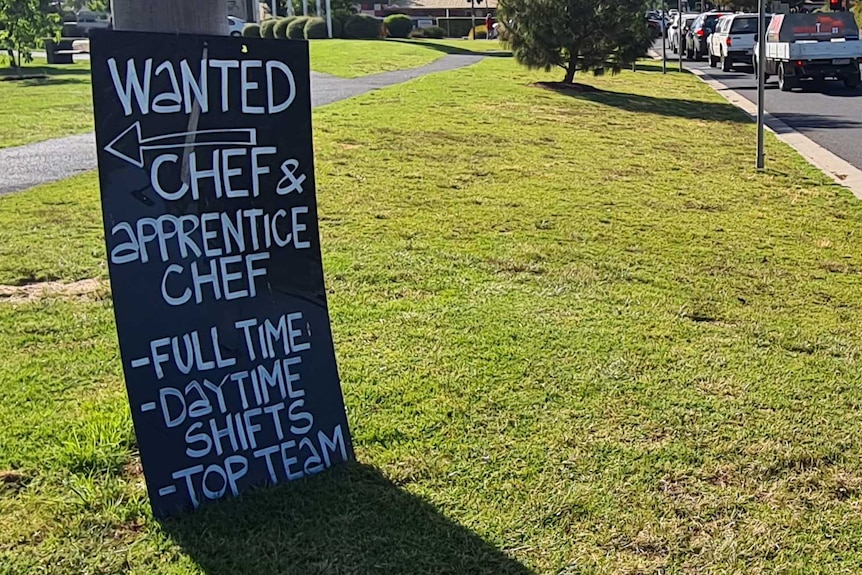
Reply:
x=836, y=168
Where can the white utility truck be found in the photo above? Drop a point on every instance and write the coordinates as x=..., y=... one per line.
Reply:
x=812, y=46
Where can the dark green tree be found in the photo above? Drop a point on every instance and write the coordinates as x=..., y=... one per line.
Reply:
x=22, y=24
x=577, y=35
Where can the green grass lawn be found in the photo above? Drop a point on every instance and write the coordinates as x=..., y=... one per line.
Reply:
x=567, y=346
x=41, y=109
x=465, y=45
x=61, y=104
x=354, y=58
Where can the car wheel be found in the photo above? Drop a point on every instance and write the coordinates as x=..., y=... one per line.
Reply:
x=852, y=81
x=725, y=63
x=712, y=61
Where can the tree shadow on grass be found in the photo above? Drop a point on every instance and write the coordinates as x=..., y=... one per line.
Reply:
x=51, y=82
x=9, y=72
x=349, y=520
x=672, y=68
x=719, y=112
x=457, y=51
x=809, y=122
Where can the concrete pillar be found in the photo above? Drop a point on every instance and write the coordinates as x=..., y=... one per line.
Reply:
x=178, y=16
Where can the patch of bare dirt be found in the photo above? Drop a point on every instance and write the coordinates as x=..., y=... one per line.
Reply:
x=89, y=288
x=13, y=480
x=133, y=469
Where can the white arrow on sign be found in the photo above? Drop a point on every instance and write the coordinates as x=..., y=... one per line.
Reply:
x=130, y=146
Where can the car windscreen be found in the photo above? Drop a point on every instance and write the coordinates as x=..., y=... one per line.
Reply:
x=744, y=26
x=688, y=20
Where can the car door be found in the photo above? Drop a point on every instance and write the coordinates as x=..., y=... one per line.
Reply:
x=719, y=37
x=672, y=32
x=689, y=37
x=712, y=47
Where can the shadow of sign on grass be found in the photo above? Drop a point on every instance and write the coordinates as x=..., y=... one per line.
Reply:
x=698, y=110
x=350, y=520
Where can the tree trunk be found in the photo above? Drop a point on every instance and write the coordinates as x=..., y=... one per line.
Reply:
x=177, y=16
x=16, y=60
x=571, y=68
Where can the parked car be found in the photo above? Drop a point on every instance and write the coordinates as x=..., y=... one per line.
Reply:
x=733, y=41
x=235, y=25
x=696, y=41
x=657, y=23
x=814, y=47
x=678, y=29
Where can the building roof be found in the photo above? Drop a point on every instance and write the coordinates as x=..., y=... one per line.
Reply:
x=438, y=5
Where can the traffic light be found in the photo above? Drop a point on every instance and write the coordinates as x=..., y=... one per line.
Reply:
x=836, y=5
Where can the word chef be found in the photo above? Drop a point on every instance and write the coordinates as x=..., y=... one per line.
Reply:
x=225, y=239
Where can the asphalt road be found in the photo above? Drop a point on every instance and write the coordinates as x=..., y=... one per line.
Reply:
x=831, y=116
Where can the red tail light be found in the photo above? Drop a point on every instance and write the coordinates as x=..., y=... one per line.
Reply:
x=729, y=42
x=699, y=32
x=799, y=63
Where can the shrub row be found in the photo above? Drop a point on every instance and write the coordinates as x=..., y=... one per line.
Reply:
x=363, y=27
x=456, y=27
x=430, y=32
x=398, y=25
x=360, y=26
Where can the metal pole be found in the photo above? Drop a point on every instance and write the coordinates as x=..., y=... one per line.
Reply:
x=679, y=34
x=473, y=17
x=329, y=18
x=761, y=78
x=275, y=8
x=186, y=17
x=663, y=44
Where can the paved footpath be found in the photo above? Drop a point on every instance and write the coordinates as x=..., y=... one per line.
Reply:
x=26, y=166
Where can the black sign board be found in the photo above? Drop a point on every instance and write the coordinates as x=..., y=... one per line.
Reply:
x=208, y=197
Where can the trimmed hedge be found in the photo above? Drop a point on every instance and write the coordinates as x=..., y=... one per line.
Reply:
x=398, y=25
x=337, y=27
x=315, y=29
x=281, y=27
x=296, y=29
x=435, y=32
x=342, y=22
x=363, y=27
x=267, y=28
x=455, y=27
x=251, y=30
